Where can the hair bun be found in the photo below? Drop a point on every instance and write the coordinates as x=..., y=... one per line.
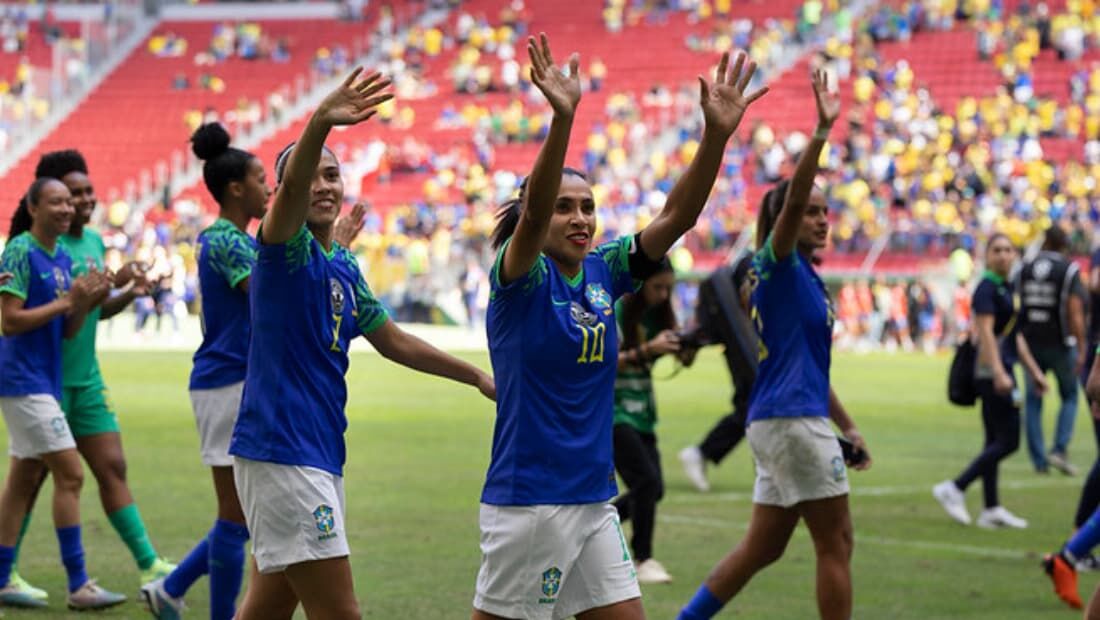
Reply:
x=209, y=141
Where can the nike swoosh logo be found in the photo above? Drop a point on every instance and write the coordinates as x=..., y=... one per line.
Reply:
x=558, y=303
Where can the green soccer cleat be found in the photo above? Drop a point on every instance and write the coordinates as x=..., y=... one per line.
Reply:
x=161, y=568
x=17, y=582
x=13, y=596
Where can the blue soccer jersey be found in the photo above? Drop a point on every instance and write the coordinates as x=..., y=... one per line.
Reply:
x=794, y=317
x=227, y=255
x=554, y=351
x=306, y=307
x=30, y=363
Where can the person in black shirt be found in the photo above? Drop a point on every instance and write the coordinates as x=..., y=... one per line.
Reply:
x=1053, y=323
x=722, y=318
x=999, y=347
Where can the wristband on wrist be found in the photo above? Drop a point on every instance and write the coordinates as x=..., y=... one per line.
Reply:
x=822, y=133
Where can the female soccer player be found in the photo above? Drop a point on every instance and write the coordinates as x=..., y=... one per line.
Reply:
x=39, y=307
x=647, y=325
x=87, y=408
x=554, y=349
x=308, y=300
x=1000, y=345
x=226, y=258
x=800, y=470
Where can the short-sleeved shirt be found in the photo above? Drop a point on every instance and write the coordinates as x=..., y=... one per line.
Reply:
x=635, y=402
x=306, y=305
x=30, y=363
x=226, y=257
x=554, y=350
x=79, y=366
x=794, y=317
x=995, y=296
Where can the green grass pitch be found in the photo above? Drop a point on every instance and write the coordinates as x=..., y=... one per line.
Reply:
x=417, y=452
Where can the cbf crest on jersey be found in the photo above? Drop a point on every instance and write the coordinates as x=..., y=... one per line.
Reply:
x=59, y=280
x=337, y=293
x=598, y=297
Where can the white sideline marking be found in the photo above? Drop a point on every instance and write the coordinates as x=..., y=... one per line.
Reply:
x=975, y=550
x=882, y=491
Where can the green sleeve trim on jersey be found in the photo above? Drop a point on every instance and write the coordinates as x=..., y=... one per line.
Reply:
x=298, y=249
x=231, y=255
x=617, y=255
x=535, y=276
x=370, y=314
x=16, y=261
x=13, y=292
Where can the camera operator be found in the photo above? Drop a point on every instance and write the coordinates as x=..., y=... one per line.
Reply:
x=722, y=318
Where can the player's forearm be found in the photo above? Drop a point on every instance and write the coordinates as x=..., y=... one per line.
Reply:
x=688, y=197
x=114, y=305
x=15, y=321
x=839, y=415
x=412, y=352
x=288, y=213
x=545, y=181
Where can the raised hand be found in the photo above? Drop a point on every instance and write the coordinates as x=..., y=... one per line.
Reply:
x=724, y=101
x=355, y=100
x=348, y=227
x=828, y=102
x=562, y=91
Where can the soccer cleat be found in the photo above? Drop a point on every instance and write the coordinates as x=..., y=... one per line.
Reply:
x=695, y=468
x=1064, y=577
x=1060, y=461
x=159, y=603
x=160, y=568
x=651, y=571
x=19, y=583
x=998, y=517
x=953, y=501
x=91, y=596
x=1087, y=564
x=12, y=595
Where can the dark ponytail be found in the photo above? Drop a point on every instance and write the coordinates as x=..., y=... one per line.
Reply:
x=770, y=207
x=21, y=220
x=223, y=164
x=508, y=213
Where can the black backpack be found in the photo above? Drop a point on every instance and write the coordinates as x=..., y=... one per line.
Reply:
x=961, y=389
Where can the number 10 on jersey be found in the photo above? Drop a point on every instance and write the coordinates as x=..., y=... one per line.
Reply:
x=592, y=343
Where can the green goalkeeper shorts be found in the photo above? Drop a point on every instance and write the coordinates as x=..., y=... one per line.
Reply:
x=88, y=410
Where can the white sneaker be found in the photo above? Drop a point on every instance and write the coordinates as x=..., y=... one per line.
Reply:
x=651, y=571
x=953, y=501
x=1059, y=461
x=998, y=517
x=695, y=467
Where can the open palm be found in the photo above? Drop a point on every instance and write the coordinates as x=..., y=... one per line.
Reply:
x=562, y=91
x=354, y=101
x=828, y=102
x=724, y=101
